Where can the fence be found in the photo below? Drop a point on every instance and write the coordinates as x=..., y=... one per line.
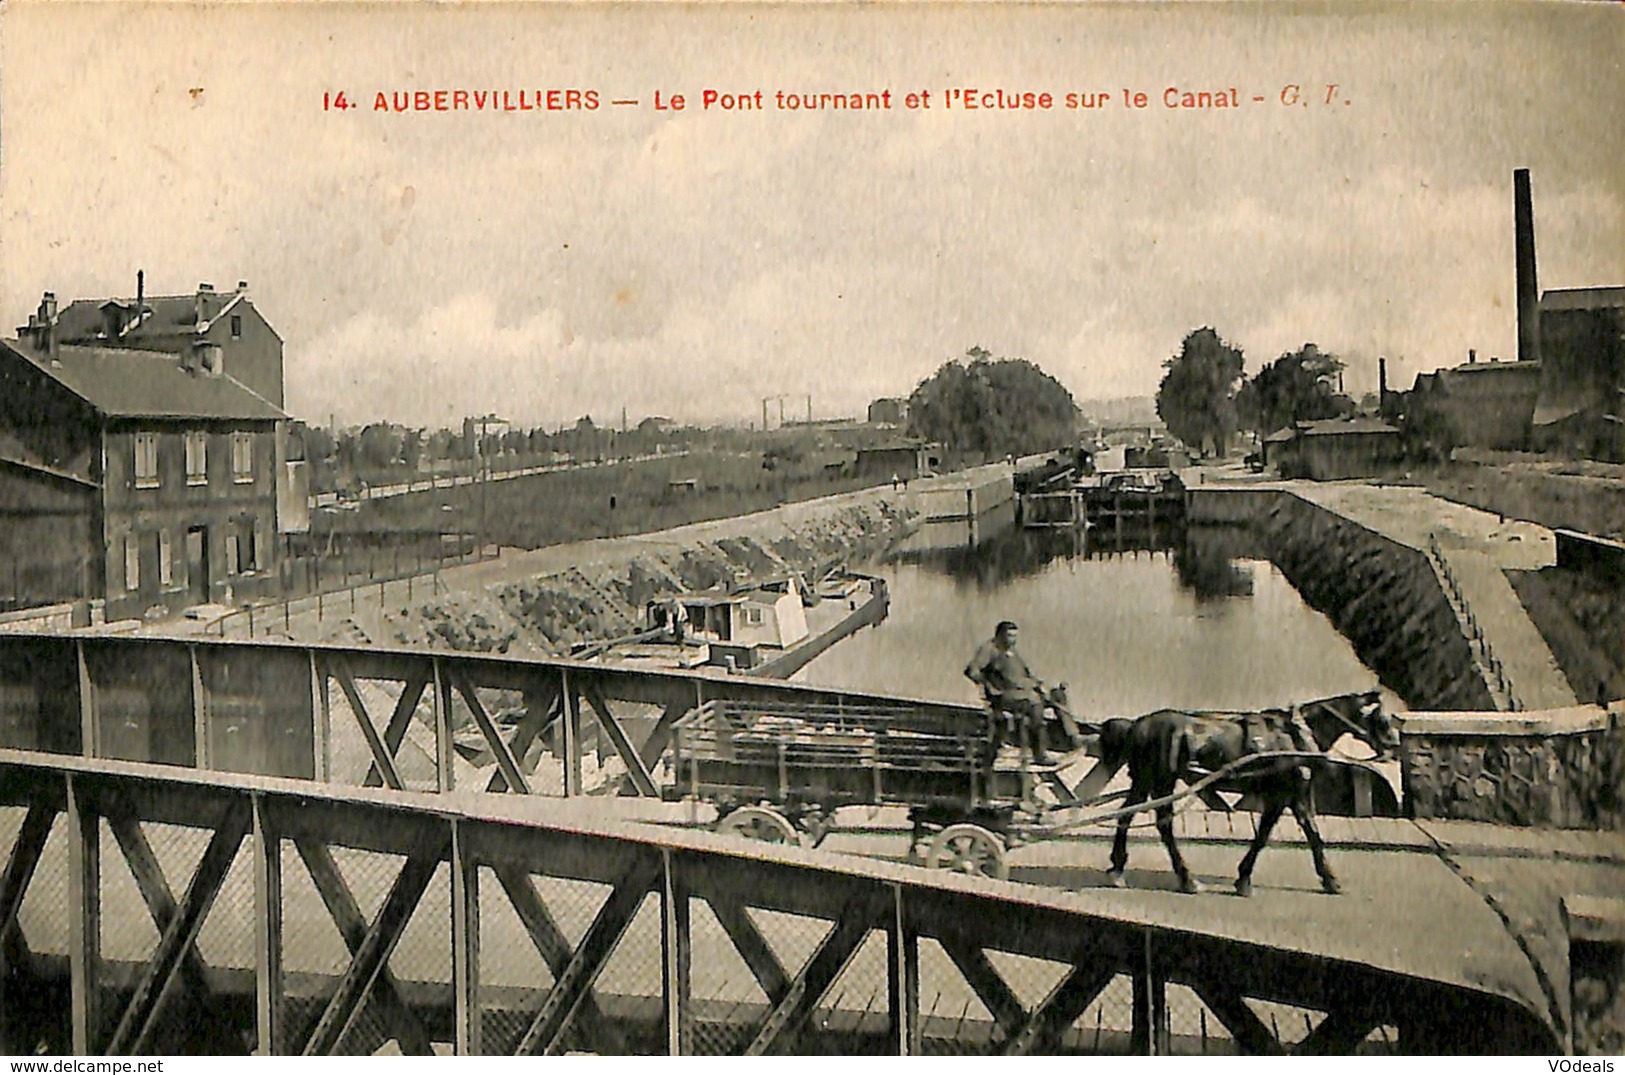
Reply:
x=1489, y=664
x=398, y=565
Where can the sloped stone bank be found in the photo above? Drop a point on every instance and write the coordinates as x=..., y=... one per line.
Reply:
x=1383, y=597
x=601, y=599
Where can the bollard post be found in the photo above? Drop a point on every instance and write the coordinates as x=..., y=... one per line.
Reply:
x=321, y=604
x=286, y=629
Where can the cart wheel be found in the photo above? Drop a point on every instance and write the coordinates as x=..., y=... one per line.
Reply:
x=969, y=849
x=760, y=823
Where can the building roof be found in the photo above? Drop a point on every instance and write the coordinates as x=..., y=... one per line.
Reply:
x=47, y=471
x=1281, y=436
x=163, y=316
x=1335, y=426
x=126, y=383
x=1583, y=298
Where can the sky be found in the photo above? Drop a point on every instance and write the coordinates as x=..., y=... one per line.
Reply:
x=540, y=265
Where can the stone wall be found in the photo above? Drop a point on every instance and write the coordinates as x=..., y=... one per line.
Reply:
x=603, y=598
x=1383, y=597
x=1558, y=769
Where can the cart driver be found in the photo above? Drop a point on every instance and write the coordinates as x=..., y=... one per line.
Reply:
x=1011, y=691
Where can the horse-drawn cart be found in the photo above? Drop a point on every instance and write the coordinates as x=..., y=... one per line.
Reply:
x=780, y=773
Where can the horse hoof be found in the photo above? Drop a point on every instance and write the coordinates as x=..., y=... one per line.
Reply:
x=1115, y=879
x=1191, y=886
x=1331, y=886
x=1244, y=886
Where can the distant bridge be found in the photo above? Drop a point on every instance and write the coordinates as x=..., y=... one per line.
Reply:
x=290, y=876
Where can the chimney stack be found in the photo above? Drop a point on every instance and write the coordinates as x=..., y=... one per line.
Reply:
x=1472, y=355
x=45, y=328
x=140, y=296
x=1382, y=378
x=204, y=293
x=1523, y=216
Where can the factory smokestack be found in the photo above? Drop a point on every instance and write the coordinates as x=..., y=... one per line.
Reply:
x=1523, y=214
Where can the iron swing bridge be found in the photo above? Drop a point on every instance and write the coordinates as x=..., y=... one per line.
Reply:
x=206, y=853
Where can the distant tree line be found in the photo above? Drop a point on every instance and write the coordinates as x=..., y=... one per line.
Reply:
x=992, y=407
x=1205, y=396
x=392, y=451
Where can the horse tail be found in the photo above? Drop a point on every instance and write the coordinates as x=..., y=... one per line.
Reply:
x=1114, y=740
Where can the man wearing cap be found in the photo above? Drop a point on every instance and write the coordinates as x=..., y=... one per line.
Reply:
x=1009, y=687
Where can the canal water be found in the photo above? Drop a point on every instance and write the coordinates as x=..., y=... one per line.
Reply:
x=1131, y=621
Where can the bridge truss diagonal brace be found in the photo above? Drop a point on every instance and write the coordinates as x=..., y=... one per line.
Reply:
x=135, y=1027
x=985, y=980
x=19, y=873
x=372, y=956
x=555, y=951
x=783, y=1024
x=399, y=721
x=156, y=894
x=542, y=708
x=383, y=760
x=1242, y=1022
x=659, y=739
x=753, y=948
x=1044, y=1025
x=488, y=730
x=353, y=928
x=636, y=771
x=546, y=1033
x=1340, y=1033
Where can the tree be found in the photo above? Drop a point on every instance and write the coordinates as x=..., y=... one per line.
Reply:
x=993, y=407
x=1299, y=386
x=380, y=445
x=1197, y=397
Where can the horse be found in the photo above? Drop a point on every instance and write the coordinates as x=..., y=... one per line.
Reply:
x=1170, y=745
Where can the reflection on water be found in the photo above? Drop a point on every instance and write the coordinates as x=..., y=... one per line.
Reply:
x=1131, y=620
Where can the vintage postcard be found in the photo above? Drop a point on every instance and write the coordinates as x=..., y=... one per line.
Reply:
x=812, y=528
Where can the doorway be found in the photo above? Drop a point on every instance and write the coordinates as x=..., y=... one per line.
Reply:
x=197, y=565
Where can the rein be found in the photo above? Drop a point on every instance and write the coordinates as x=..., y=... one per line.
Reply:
x=1202, y=784
x=1362, y=734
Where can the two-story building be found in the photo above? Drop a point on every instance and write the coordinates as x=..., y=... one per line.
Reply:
x=154, y=472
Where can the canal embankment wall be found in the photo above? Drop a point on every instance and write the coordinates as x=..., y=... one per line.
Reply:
x=548, y=600
x=1382, y=594
x=1464, y=757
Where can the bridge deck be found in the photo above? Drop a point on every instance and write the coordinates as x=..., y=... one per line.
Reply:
x=1353, y=957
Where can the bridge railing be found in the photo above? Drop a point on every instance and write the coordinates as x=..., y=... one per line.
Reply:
x=405, y=719
x=290, y=918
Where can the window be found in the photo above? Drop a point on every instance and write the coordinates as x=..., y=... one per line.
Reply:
x=166, y=560
x=242, y=457
x=753, y=616
x=197, y=458
x=132, y=562
x=236, y=326
x=246, y=549
x=146, y=460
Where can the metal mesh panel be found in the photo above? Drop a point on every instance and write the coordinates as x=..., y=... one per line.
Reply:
x=852, y=1017
x=514, y=978
x=1289, y=1024
x=953, y=1019
x=726, y=996
x=630, y=984
x=1192, y=1028
x=1105, y=1024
